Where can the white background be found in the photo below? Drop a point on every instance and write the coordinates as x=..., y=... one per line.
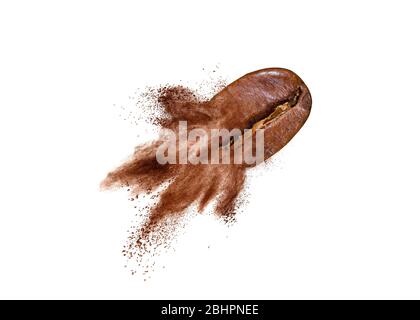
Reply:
x=336, y=216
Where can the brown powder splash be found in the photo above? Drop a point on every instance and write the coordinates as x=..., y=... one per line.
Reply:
x=184, y=185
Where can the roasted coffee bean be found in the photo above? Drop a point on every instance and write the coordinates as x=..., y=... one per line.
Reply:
x=274, y=99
